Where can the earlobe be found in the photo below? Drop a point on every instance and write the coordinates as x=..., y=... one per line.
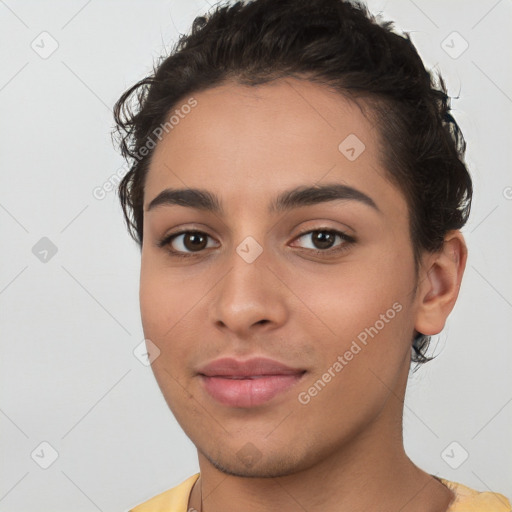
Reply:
x=439, y=285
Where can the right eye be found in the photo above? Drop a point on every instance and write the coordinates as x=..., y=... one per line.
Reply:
x=186, y=243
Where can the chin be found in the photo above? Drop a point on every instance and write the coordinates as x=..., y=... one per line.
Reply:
x=248, y=462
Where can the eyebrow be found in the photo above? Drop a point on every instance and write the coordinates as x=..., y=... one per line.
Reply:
x=295, y=198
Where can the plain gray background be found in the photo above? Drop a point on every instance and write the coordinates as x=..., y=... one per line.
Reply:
x=70, y=323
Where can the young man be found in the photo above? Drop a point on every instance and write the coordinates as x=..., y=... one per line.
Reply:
x=297, y=187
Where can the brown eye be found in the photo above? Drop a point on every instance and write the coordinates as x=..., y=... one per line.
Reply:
x=186, y=243
x=195, y=241
x=323, y=239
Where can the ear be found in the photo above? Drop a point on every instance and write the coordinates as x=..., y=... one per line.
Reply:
x=439, y=283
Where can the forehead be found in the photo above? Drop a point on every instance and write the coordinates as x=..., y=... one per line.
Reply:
x=245, y=142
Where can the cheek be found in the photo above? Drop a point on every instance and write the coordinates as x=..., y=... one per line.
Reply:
x=156, y=300
x=367, y=309
x=356, y=296
x=164, y=303
x=165, y=297
x=372, y=337
x=173, y=304
x=361, y=367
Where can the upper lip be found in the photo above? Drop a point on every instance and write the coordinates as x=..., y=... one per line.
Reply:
x=228, y=366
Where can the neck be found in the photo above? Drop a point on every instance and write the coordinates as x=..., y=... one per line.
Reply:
x=341, y=484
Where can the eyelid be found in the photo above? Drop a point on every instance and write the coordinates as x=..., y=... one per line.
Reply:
x=167, y=239
x=346, y=239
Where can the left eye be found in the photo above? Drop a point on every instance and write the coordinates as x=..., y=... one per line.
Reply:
x=324, y=239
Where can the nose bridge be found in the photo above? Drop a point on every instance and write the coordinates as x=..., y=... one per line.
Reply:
x=249, y=292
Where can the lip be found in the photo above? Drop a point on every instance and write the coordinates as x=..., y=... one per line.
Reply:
x=247, y=383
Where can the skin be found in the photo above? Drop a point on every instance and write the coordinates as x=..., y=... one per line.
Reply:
x=343, y=450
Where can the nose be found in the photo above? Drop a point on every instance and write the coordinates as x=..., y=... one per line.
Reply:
x=249, y=298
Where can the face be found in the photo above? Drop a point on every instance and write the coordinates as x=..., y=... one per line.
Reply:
x=321, y=283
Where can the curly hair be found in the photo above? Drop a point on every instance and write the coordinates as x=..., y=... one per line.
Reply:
x=335, y=43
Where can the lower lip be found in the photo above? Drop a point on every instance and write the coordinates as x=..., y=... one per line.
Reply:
x=248, y=392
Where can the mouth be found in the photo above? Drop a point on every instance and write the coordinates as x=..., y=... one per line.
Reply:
x=249, y=390
x=248, y=383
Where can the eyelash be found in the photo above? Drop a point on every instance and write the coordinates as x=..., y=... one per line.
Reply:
x=348, y=241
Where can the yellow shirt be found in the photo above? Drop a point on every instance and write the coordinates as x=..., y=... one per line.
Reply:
x=466, y=499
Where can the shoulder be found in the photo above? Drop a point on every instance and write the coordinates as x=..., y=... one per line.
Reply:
x=471, y=500
x=172, y=500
